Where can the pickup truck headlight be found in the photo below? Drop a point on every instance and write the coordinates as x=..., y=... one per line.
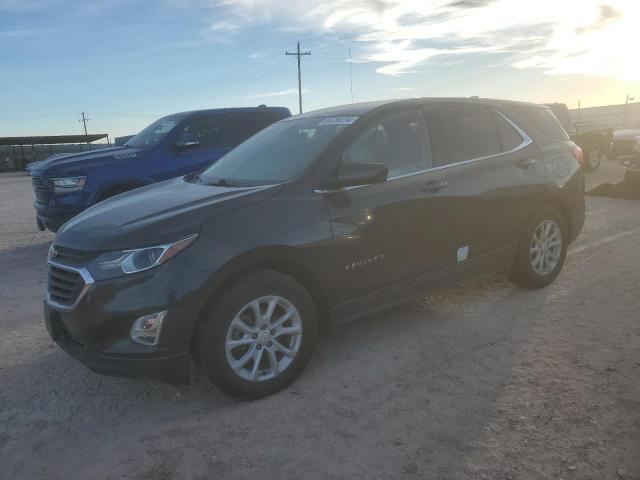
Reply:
x=124, y=262
x=68, y=184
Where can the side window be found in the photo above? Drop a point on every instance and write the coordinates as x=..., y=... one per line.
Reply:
x=213, y=131
x=253, y=122
x=470, y=132
x=509, y=137
x=400, y=142
x=543, y=121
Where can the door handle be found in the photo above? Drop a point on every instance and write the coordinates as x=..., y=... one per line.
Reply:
x=435, y=185
x=526, y=162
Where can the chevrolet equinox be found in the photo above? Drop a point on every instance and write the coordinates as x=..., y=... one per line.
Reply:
x=319, y=218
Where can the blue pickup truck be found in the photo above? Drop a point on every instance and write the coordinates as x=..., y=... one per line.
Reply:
x=173, y=146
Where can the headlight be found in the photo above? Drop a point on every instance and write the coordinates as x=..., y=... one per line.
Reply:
x=68, y=184
x=124, y=262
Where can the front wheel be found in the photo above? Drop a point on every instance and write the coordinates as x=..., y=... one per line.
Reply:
x=258, y=336
x=542, y=249
x=592, y=159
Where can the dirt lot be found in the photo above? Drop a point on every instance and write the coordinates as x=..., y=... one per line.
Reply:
x=478, y=381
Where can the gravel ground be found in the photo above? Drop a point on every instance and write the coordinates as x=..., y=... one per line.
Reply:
x=483, y=380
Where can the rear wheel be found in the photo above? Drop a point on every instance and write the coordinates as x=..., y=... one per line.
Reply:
x=592, y=159
x=259, y=336
x=542, y=249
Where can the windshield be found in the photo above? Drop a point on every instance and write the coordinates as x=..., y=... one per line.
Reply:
x=279, y=153
x=155, y=132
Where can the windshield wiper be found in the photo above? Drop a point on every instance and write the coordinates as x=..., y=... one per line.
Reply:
x=225, y=183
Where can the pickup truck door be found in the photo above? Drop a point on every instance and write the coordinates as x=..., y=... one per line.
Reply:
x=201, y=142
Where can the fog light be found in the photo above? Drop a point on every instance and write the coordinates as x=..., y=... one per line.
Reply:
x=146, y=330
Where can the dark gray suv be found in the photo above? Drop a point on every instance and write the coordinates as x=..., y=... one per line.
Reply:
x=320, y=218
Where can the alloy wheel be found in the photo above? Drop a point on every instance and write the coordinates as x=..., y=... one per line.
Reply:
x=546, y=247
x=594, y=158
x=263, y=338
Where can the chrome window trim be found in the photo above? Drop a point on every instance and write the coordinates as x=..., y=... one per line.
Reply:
x=526, y=141
x=88, y=283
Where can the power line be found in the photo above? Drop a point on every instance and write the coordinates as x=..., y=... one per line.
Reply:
x=299, y=55
x=237, y=85
x=351, y=74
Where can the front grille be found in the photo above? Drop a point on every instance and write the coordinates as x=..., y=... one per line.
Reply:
x=73, y=257
x=64, y=286
x=40, y=189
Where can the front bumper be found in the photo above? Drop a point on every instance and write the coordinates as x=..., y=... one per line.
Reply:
x=173, y=369
x=96, y=330
x=53, y=218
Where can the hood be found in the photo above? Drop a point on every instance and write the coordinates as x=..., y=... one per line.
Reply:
x=82, y=160
x=626, y=134
x=153, y=215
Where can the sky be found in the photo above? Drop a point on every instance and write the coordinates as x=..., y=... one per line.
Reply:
x=128, y=62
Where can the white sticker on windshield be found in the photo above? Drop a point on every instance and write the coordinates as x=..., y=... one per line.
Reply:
x=337, y=121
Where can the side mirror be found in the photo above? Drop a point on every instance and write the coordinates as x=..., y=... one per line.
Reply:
x=191, y=144
x=356, y=174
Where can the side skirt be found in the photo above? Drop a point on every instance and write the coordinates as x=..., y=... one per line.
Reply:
x=388, y=297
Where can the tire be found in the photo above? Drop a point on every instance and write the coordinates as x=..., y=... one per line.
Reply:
x=233, y=309
x=592, y=159
x=528, y=272
x=631, y=184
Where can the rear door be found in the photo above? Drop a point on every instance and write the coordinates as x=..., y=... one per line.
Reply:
x=396, y=232
x=253, y=122
x=200, y=142
x=498, y=176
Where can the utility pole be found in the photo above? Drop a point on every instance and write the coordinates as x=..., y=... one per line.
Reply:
x=84, y=121
x=299, y=55
x=579, y=108
x=624, y=117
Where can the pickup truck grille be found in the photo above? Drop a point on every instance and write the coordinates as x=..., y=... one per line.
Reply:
x=40, y=189
x=64, y=286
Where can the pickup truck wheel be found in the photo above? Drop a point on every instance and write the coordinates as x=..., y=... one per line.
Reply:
x=259, y=335
x=592, y=159
x=542, y=249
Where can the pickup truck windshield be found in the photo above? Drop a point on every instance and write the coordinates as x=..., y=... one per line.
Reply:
x=279, y=153
x=155, y=132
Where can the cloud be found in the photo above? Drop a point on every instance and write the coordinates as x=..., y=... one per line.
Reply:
x=585, y=37
x=469, y=3
x=20, y=6
x=282, y=93
x=608, y=15
x=224, y=26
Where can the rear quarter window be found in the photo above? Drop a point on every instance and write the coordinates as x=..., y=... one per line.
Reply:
x=545, y=122
x=510, y=139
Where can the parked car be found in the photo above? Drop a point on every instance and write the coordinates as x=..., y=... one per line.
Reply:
x=173, y=146
x=318, y=219
x=624, y=142
x=593, y=138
